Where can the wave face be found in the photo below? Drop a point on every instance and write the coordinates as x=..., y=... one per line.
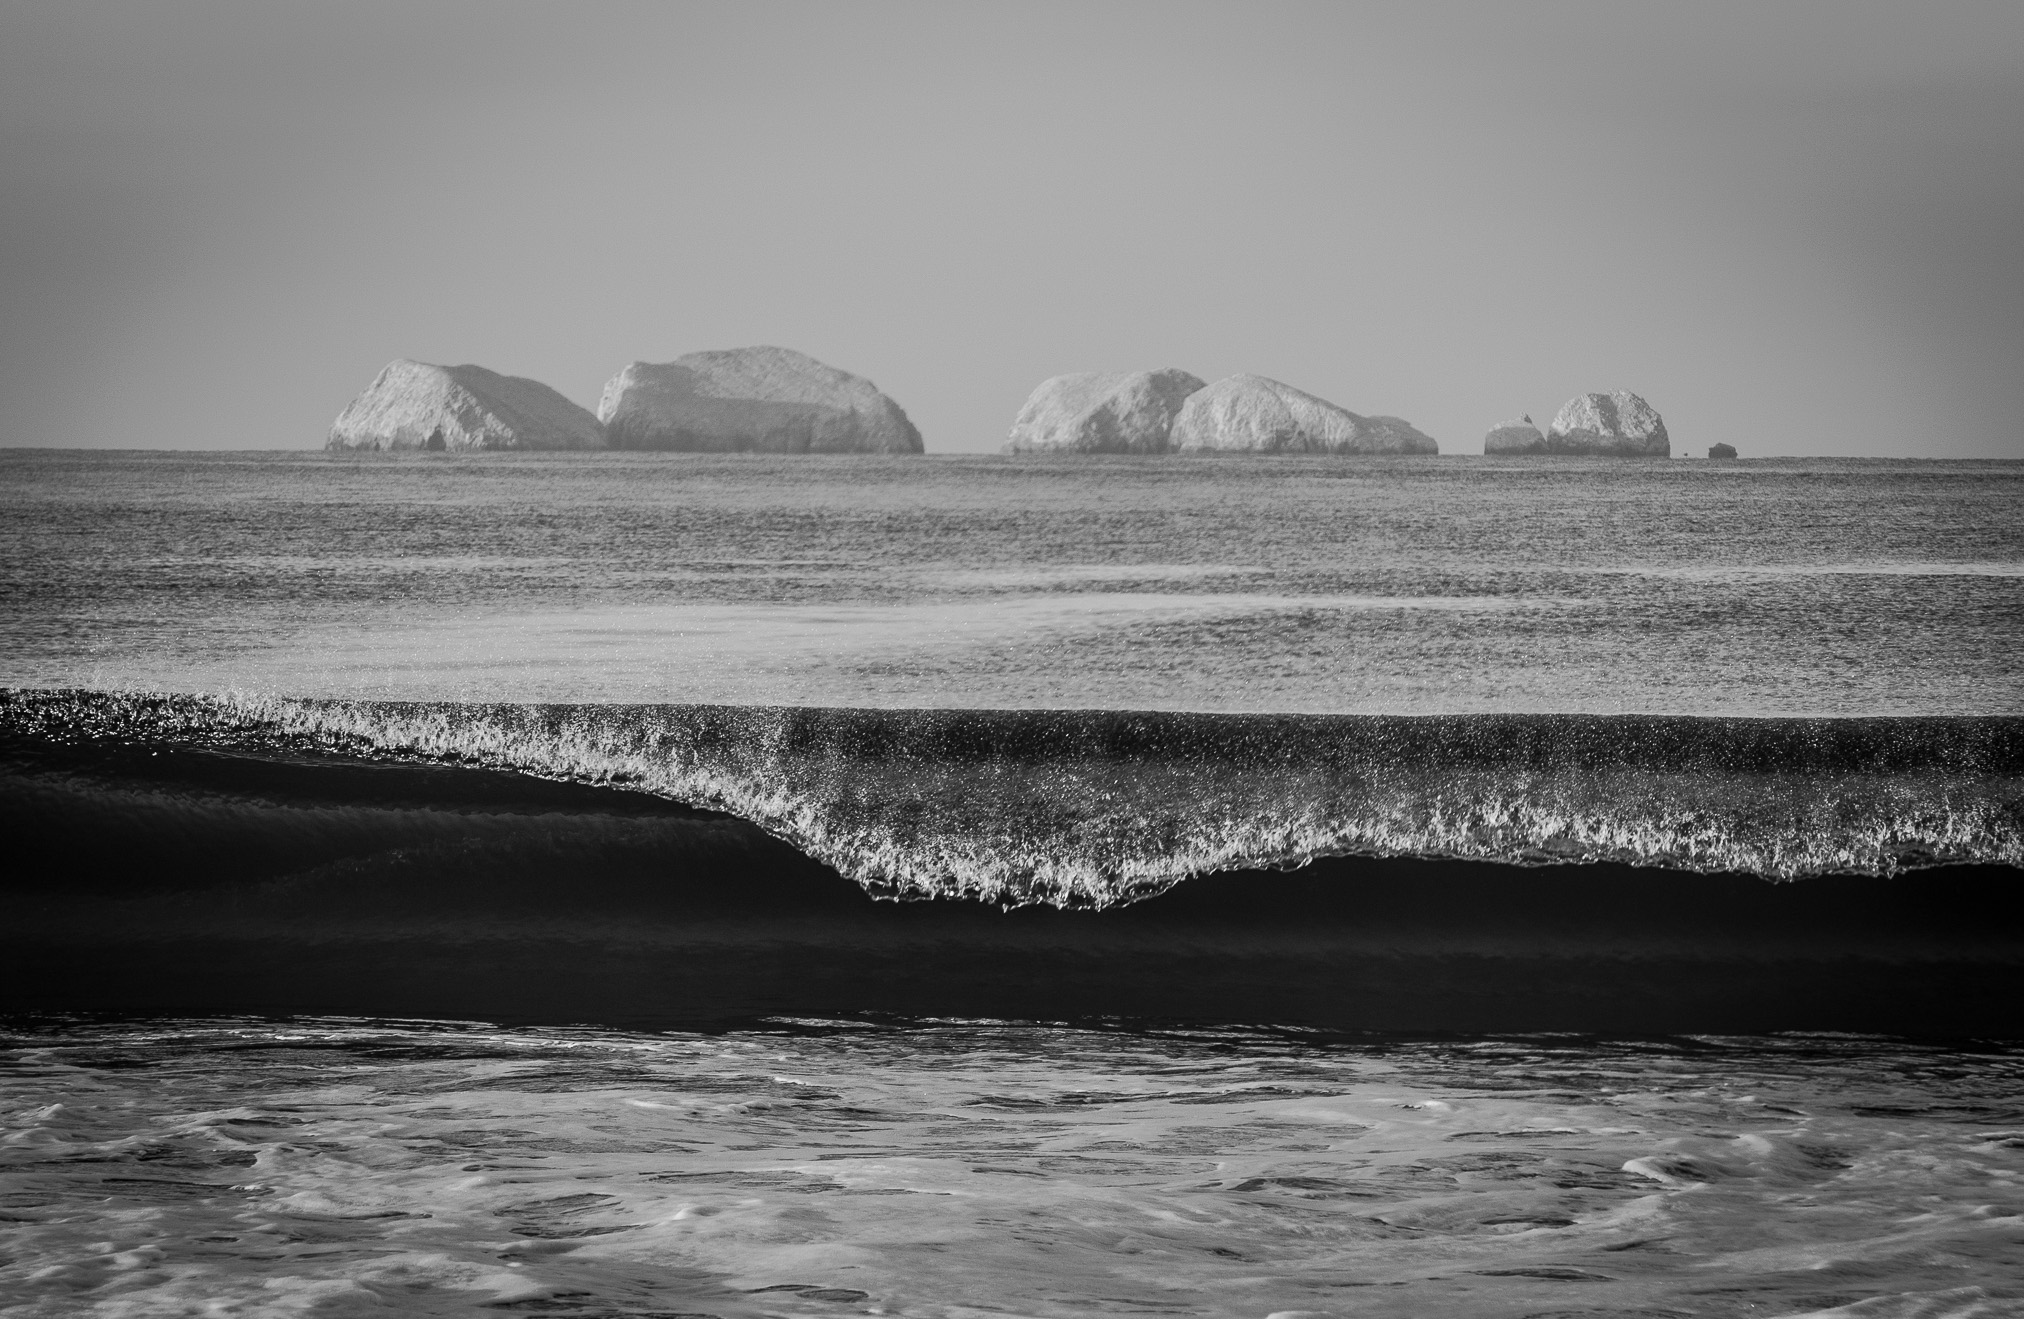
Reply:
x=1097, y=808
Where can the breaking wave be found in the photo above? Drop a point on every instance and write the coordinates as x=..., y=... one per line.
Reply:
x=1097, y=808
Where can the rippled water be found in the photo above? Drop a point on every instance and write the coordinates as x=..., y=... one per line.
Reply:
x=1288, y=584
x=970, y=1168
x=963, y=1168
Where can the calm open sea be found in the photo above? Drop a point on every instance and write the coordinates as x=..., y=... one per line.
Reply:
x=1456, y=584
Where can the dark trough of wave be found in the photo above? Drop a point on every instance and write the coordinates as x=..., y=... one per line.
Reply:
x=155, y=872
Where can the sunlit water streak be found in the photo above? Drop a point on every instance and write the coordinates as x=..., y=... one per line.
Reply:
x=1814, y=587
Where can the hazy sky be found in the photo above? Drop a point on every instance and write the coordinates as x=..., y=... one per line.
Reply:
x=1796, y=227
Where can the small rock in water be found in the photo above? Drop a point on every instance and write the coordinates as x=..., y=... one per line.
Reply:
x=1721, y=451
x=1102, y=412
x=1619, y=424
x=1519, y=436
x=457, y=409
x=751, y=400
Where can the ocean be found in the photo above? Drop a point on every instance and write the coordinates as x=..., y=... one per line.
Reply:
x=642, y=884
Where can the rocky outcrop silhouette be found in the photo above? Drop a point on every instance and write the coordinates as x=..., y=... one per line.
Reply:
x=1102, y=412
x=1721, y=451
x=752, y=400
x=460, y=409
x=1618, y=424
x=1520, y=436
x=1256, y=414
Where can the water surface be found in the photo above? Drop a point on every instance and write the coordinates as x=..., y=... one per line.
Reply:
x=968, y=1169
x=1282, y=584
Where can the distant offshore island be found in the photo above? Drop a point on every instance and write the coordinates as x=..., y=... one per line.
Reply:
x=740, y=400
x=776, y=400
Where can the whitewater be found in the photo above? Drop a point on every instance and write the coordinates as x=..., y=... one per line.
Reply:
x=968, y=1169
x=1087, y=809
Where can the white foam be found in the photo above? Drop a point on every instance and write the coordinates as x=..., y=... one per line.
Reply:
x=1108, y=831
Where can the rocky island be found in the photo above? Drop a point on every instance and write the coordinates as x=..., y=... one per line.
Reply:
x=1256, y=414
x=1520, y=436
x=1102, y=412
x=751, y=400
x=1617, y=424
x=458, y=409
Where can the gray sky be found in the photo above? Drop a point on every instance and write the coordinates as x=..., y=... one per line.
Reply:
x=1796, y=227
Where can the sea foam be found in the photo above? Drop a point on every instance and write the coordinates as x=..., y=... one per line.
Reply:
x=1094, y=808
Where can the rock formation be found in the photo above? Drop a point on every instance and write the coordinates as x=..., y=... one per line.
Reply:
x=1102, y=412
x=1394, y=435
x=1619, y=424
x=751, y=400
x=413, y=405
x=1520, y=436
x=1721, y=451
x=1252, y=414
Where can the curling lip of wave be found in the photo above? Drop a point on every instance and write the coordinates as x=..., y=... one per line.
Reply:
x=1093, y=808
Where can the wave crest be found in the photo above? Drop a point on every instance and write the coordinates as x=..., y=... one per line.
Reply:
x=1094, y=808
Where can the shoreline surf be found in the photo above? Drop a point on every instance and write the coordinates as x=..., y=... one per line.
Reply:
x=192, y=855
x=1095, y=808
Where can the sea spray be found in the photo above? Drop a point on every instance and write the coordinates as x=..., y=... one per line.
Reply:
x=1096, y=808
